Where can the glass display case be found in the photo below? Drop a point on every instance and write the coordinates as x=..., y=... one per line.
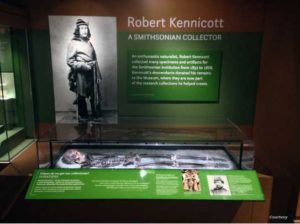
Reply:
x=147, y=143
x=8, y=97
x=8, y=119
x=16, y=106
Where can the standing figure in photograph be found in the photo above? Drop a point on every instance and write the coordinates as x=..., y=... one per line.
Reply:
x=190, y=180
x=84, y=76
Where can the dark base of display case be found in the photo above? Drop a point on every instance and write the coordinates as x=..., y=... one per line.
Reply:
x=3, y=165
x=11, y=188
x=130, y=211
x=12, y=141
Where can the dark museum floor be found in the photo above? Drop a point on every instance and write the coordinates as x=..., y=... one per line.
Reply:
x=2, y=166
x=13, y=181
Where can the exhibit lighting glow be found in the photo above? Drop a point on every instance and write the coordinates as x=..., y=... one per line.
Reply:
x=143, y=173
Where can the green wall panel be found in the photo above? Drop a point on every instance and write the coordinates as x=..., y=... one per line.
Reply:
x=42, y=76
x=23, y=80
x=239, y=75
x=238, y=84
x=5, y=49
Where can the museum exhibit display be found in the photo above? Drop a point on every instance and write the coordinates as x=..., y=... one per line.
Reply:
x=146, y=158
x=142, y=143
x=145, y=106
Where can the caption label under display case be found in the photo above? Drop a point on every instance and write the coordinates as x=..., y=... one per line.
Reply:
x=144, y=184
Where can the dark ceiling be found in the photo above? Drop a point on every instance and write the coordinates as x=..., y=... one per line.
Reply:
x=16, y=3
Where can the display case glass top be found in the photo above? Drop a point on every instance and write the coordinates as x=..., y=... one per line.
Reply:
x=151, y=130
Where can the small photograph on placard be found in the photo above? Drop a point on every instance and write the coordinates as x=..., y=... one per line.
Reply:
x=218, y=185
x=190, y=180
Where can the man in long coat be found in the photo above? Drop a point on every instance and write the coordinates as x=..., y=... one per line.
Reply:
x=84, y=76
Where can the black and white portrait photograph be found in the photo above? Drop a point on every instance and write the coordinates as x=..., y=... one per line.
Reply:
x=218, y=185
x=84, y=66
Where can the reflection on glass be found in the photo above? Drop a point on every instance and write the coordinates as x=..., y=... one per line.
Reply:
x=8, y=96
x=4, y=155
x=7, y=86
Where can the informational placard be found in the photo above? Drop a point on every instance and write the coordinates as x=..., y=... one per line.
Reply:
x=174, y=75
x=144, y=184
